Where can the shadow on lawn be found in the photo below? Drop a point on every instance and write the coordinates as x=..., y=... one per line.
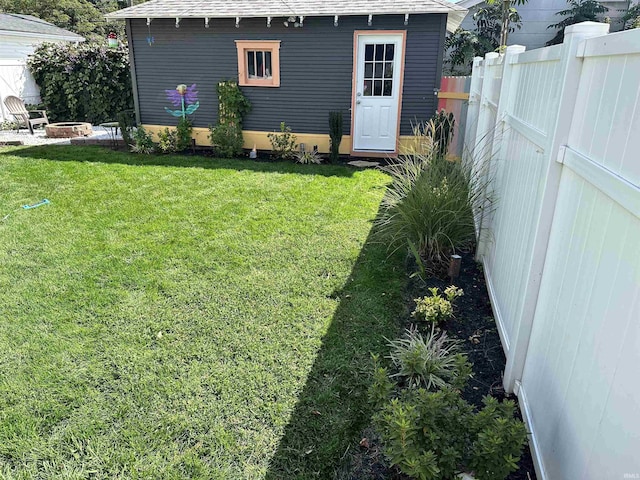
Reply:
x=333, y=408
x=66, y=153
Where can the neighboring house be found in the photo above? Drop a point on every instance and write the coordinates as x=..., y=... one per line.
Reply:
x=378, y=61
x=19, y=37
x=537, y=15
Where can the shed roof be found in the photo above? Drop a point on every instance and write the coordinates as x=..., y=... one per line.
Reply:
x=28, y=25
x=285, y=8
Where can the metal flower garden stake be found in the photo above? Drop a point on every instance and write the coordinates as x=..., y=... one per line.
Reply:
x=184, y=97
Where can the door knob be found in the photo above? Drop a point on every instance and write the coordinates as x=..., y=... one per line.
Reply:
x=358, y=102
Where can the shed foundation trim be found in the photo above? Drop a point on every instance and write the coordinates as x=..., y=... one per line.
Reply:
x=260, y=139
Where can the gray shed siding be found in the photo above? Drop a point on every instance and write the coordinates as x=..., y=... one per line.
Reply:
x=315, y=68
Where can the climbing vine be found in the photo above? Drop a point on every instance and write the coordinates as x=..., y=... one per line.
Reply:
x=226, y=136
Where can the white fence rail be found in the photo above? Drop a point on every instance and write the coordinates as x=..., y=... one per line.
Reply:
x=558, y=131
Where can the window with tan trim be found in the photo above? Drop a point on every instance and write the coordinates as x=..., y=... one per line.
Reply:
x=258, y=63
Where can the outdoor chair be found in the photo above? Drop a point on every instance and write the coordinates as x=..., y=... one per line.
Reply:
x=23, y=116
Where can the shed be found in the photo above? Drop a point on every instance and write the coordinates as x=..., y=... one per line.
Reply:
x=19, y=37
x=378, y=61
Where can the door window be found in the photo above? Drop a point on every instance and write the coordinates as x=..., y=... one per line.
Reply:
x=378, y=69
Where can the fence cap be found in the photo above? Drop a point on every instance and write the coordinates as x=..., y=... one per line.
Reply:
x=516, y=49
x=596, y=28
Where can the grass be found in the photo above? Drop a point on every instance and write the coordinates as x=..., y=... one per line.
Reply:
x=182, y=317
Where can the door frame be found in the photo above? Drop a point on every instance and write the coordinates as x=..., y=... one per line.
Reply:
x=354, y=86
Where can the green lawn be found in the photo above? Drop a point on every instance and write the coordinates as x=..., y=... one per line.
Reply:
x=177, y=317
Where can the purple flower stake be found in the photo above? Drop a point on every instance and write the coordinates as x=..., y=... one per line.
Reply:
x=184, y=97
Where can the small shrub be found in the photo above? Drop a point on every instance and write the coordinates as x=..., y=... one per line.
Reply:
x=431, y=362
x=142, y=141
x=184, y=132
x=8, y=125
x=381, y=387
x=283, y=143
x=437, y=435
x=335, y=134
x=309, y=157
x=452, y=292
x=168, y=141
x=436, y=308
x=226, y=140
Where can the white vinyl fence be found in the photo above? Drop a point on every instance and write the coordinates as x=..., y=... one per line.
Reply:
x=16, y=80
x=557, y=132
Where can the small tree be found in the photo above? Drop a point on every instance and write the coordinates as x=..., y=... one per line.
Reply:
x=463, y=45
x=631, y=19
x=580, y=11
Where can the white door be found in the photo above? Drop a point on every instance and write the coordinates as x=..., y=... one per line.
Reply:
x=377, y=94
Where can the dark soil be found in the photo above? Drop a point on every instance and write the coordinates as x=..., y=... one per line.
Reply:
x=475, y=327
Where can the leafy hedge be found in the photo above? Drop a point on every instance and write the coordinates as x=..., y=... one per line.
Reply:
x=86, y=82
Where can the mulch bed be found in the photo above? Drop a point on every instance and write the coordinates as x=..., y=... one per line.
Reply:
x=475, y=327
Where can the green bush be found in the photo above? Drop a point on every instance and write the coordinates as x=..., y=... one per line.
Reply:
x=283, y=143
x=436, y=308
x=226, y=139
x=184, y=131
x=142, y=141
x=432, y=362
x=168, y=141
x=86, y=82
x=437, y=435
x=428, y=208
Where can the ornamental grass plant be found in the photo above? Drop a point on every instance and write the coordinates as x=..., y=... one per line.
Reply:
x=428, y=208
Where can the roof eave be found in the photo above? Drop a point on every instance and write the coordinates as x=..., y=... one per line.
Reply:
x=455, y=15
x=45, y=36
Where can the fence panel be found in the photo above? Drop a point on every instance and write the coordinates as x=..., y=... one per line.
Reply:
x=563, y=259
x=581, y=375
x=520, y=166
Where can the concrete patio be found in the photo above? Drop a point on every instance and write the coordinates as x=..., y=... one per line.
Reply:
x=100, y=136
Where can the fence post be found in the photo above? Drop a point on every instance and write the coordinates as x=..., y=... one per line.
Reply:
x=499, y=141
x=570, y=71
x=475, y=89
x=485, y=94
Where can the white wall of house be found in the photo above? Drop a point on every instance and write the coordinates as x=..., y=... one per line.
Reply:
x=556, y=132
x=15, y=78
x=537, y=15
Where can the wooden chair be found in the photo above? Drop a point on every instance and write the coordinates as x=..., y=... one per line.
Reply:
x=23, y=116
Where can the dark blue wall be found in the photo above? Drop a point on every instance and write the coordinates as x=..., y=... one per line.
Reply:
x=315, y=68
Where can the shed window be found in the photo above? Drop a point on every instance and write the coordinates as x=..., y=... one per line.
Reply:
x=258, y=63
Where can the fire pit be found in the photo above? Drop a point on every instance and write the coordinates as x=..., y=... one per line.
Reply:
x=68, y=130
